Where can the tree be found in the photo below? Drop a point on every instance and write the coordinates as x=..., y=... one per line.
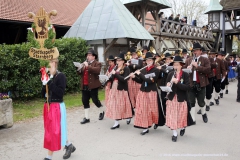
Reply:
x=192, y=9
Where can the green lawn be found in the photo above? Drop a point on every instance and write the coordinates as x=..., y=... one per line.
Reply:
x=33, y=108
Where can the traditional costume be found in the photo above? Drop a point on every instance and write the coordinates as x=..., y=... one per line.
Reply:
x=118, y=104
x=147, y=112
x=177, y=108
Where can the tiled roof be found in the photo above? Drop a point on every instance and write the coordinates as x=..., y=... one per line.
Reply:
x=106, y=19
x=68, y=10
x=162, y=3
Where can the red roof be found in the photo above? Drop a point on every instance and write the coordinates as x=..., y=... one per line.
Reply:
x=67, y=10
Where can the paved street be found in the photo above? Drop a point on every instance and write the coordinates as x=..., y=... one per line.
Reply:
x=95, y=141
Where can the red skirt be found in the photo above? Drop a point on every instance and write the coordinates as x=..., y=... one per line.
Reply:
x=176, y=114
x=146, y=113
x=118, y=106
x=52, y=127
x=133, y=89
x=107, y=90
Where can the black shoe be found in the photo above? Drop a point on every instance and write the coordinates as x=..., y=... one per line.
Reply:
x=199, y=112
x=69, y=150
x=101, y=115
x=211, y=104
x=217, y=101
x=85, y=120
x=194, y=123
x=204, y=117
x=115, y=127
x=221, y=95
x=128, y=121
x=182, y=132
x=207, y=108
x=155, y=126
x=174, y=138
x=226, y=92
x=46, y=159
x=143, y=133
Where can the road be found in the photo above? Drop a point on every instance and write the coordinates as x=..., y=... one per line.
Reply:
x=218, y=139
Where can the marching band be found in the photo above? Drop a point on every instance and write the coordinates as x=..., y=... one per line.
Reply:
x=135, y=87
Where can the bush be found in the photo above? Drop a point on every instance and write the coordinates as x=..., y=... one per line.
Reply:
x=20, y=74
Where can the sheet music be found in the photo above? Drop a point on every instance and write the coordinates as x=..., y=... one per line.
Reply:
x=187, y=70
x=103, y=78
x=166, y=89
x=134, y=61
x=150, y=75
x=77, y=64
x=169, y=68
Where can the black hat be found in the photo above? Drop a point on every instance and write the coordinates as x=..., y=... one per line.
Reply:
x=121, y=56
x=149, y=56
x=167, y=55
x=222, y=53
x=196, y=46
x=145, y=48
x=212, y=51
x=157, y=55
x=110, y=58
x=177, y=59
x=203, y=49
x=133, y=50
x=91, y=51
x=177, y=52
x=184, y=50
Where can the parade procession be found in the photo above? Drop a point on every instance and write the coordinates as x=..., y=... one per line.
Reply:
x=119, y=79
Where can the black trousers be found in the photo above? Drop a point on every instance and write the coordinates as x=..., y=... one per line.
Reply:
x=224, y=83
x=217, y=84
x=87, y=94
x=238, y=90
x=199, y=94
x=209, y=88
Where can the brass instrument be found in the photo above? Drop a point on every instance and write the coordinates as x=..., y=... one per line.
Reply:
x=128, y=56
x=152, y=50
x=139, y=53
x=180, y=53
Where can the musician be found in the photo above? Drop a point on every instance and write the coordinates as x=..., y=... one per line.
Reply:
x=200, y=67
x=90, y=84
x=146, y=104
x=119, y=106
x=185, y=55
x=54, y=113
x=111, y=65
x=162, y=82
x=224, y=83
x=177, y=109
x=133, y=86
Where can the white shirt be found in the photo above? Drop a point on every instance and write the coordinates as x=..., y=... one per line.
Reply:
x=195, y=72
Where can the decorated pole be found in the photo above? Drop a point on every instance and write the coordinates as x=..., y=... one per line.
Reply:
x=43, y=33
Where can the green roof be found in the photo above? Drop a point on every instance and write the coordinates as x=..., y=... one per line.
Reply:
x=107, y=19
x=164, y=3
x=213, y=6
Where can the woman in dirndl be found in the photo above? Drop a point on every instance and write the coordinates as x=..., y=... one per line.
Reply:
x=111, y=66
x=54, y=113
x=118, y=104
x=176, y=105
x=232, y=67
x=147, y=112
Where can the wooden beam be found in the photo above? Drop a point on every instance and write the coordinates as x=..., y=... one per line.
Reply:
x=110, y=45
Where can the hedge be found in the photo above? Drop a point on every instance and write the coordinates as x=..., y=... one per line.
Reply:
x=20, y=74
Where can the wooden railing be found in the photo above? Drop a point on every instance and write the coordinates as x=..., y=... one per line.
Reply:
x=170, y=28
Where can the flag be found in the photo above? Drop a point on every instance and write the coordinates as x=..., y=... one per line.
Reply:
x=232, y=15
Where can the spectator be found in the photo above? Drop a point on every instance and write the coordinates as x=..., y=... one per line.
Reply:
x=171, y=17
x=177, y=18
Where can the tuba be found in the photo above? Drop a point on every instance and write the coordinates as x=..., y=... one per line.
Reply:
x=152, y=50
x=128, y=56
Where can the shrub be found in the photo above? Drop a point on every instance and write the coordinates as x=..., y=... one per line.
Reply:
x=20, y=74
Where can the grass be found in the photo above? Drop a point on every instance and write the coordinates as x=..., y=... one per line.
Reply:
x=33, y=108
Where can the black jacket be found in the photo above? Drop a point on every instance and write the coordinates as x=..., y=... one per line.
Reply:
x=56, y=88
x=180, y=88
x=122, y=84
x=151, y=85
x=163, y=75
x=238, y=70
x=133, y=67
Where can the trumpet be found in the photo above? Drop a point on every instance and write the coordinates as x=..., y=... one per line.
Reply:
x=174, y=75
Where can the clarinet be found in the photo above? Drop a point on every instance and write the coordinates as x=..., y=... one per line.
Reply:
x=109, y=76
x=174, y=75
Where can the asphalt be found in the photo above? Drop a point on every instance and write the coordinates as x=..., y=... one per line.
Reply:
x=218, y=139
